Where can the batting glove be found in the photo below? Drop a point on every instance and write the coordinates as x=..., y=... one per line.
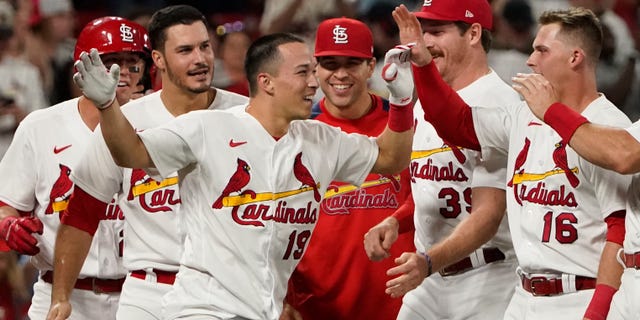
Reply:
x=397, y=73
x=96, y=83
x=18, y=233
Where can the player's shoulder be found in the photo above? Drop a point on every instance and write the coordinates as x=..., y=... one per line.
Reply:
x=602, y=111
x=141, y=104
x=56, y=114
x=314, y=126
x=226, y=99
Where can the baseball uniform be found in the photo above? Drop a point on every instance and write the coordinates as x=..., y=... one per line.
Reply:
x=324, y=284
x=36, y=168
x=152, y=239
x=442, y=176
x=556, y=203
x=252, y=205
x=624, y=304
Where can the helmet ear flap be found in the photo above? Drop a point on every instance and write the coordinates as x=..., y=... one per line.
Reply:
x=113, y=34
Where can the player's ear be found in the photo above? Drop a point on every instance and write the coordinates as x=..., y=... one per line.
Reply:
x=265, y=82
x=158, y=59
x=577, y=57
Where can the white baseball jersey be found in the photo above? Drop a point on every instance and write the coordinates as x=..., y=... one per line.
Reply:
x=442, y=175
x=250, y=202
x=152, y=238
x=556, y=200
x=35, y=170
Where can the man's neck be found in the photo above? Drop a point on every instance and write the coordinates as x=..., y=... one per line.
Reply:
x=276, y=125
x=179, y=102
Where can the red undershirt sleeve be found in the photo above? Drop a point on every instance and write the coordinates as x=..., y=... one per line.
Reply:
x=84, y=211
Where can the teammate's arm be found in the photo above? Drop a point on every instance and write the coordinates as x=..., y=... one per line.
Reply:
x=72, y=247
x=609, y=271
x=99, y=86
x=379, y=239
x=488, y=209
x=79, y=223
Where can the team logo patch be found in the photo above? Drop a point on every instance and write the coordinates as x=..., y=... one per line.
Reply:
x=427, y=3
x=126, y=33
x=340, y=35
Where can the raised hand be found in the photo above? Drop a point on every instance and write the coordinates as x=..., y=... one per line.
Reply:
x=96, y=83
x=18, y=232
x=410, y=31
x=537, y=91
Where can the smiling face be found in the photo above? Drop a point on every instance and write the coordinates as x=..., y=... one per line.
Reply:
x=294, y=82
x=343, y=80
x=132, y=68
x=447, y=46
x=187, y=58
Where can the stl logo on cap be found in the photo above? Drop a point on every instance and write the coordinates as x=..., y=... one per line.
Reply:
x=344, y=37
x=427, y=3
x=340, y=34
x=126, y=33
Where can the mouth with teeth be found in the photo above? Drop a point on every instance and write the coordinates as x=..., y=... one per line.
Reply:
x=341, y=88
x=199, y=73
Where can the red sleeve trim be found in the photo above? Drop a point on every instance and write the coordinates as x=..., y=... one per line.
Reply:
x=564, y=120
x=444, y=109
x=404, y=215
x=615, y=227
x=84, y=211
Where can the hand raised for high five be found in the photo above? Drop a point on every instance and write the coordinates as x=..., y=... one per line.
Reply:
x=411, y=32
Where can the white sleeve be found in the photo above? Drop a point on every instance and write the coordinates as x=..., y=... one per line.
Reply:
x=356, y=155
x=168, y=145
x=97, y=173
x=634, y=130
x=18, y=170
x=492, y=126
x=491, y=169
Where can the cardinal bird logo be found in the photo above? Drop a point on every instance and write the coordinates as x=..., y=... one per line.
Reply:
x=238, y=180
x=520, y=159
x=303, y=175
x=61, y=191
x=138, y=177
x=560, y=160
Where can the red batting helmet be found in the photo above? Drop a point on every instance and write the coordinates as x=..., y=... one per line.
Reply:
x=113, y=34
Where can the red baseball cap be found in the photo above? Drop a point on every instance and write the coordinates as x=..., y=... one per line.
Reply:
x=469, y=11
x=344, y=37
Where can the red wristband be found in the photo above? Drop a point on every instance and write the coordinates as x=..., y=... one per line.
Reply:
x=400, y=117
x=564, y=120
x=600, y=302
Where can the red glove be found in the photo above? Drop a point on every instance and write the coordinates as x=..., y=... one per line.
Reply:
x=17, y=232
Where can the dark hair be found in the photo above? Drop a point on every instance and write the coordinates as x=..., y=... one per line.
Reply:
x=168, y=17
x=485, y=37
x=580, y=25
x=263, y=56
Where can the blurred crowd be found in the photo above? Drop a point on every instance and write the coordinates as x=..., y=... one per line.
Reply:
x=37, y=42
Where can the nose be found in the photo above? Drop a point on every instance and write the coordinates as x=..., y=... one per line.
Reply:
x=341, y=73
x=312, y=82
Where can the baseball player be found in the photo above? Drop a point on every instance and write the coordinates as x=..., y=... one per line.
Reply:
x=612, y=148
x=345, y=63
x=443, y=177
x=254, y=175
x=151, y=237
x=37, y=186
x=566, y=215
